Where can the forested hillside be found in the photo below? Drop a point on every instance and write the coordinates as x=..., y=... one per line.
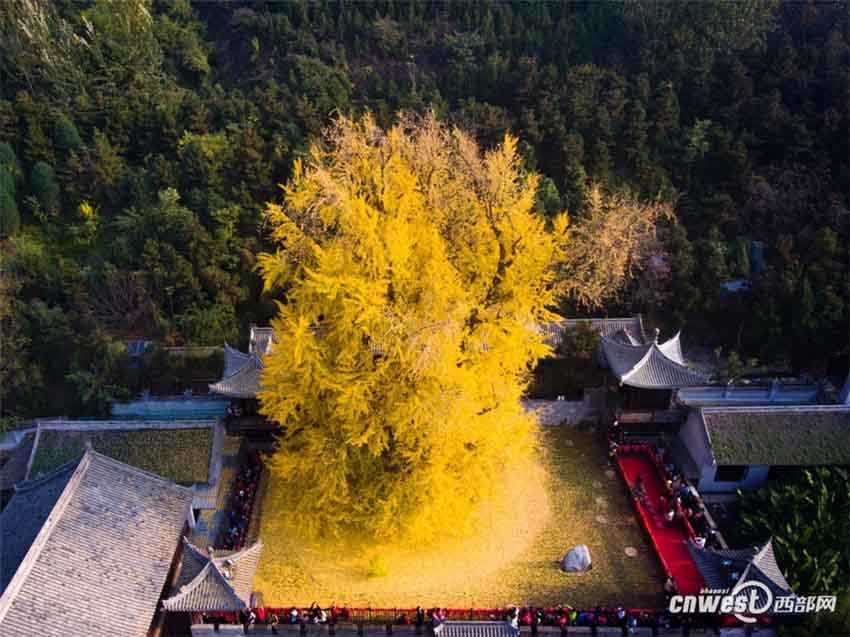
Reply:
x=139, y=144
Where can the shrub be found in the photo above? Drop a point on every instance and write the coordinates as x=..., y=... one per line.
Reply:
x=44, y=186
x=65, y=134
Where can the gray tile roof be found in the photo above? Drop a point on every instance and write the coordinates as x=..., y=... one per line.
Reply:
x=788, y=435
x=244, y=383
x=25, y=514
x=241, y=377
x=14, y=467
x=672, y=349
x=475, y=629
x=651, y=365
x=204, y=585
x=630, y=328
x=234, y=360
x=760, y=565
x=99, y=561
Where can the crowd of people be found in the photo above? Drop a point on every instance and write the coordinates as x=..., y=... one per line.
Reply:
x=681, y=504
x=560, y=616
x=241, y=503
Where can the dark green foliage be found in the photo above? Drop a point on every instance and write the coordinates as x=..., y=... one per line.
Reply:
x=9, y=161
x=548, y=201
x=739, y=107
x=10, y=218
x=808, y=518
x=44, y=186
x=65, y=134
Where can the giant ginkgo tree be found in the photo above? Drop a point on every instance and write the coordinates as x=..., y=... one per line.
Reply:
x=413, y=275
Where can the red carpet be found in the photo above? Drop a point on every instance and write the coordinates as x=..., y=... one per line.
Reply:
x=669, y=541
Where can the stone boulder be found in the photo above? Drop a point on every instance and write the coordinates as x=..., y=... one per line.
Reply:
x=577, y=560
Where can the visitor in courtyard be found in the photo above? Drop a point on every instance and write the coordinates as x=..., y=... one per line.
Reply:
x=691, y=496
x=612, y=451
x=621, y=615
x=317, y=614
x=639, y=490
x=250, y=619
x=513, y=618
x=699, y=521
x=274, y=621
x=617, y=432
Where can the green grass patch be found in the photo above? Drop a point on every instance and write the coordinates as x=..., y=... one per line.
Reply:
x=181, y=455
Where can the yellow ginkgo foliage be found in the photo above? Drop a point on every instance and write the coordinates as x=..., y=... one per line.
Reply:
x=413, y=274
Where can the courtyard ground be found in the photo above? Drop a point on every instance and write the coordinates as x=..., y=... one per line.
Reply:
x=571, y=497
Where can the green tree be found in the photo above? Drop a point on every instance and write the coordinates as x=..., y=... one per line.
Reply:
x=65, y=134
x=666, y=119
x=635, y=138
x=548, y=199
x=10, y=217
x=45, y=187
x=808, y=518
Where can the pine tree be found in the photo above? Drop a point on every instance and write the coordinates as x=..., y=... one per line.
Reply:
x=45, y=187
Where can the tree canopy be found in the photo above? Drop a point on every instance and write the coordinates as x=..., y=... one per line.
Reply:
x=735, y=112
x=414, y=272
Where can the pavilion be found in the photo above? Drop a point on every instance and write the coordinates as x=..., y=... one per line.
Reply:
x=648, y=372
x=730, y=568
x=240, y=381
x=214, y=581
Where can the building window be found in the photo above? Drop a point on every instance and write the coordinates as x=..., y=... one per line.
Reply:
x=731, y=473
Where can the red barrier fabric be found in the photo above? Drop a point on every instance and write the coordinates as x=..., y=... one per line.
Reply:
x=669, y=541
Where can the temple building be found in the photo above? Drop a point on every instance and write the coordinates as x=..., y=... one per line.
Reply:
x=211, y=581
x=241, y=378
x=730, y=568
x=240, y=382
x=650, y=372
x=88, y=548
x=731, y=448
x=628, y=328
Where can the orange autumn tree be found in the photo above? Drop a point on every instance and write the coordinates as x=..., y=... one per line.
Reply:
x=413, y=274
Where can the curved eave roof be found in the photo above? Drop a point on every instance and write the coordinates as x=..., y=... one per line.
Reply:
x=650, y=366
x=753, y=565
x=672, y=349
x=208, y=589
x=234, y=360
x=243, y=383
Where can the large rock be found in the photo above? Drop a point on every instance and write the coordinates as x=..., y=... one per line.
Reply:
x=577, y=560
